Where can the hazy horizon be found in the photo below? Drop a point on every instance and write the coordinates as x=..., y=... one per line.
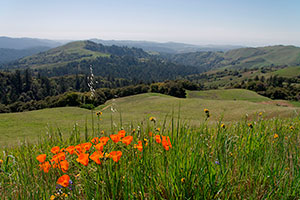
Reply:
x=248, y=23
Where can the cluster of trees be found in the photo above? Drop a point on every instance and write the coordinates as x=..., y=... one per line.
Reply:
x=22, y=91
x=24, y=86
x=127, y=67
x=274, y=87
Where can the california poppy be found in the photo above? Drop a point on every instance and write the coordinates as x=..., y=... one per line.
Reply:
x=121, y=133
x=55, y=150
x=127, y=140
x=41, y=158
x=115, y=155
x=115, y=138
x=95, y=140
x=83, y=158
x=99, y=147
x=104, y=140
x=63, y=180
x=70, y=149
x=86, y=146
x=96, y=157
x=158, y=139
x=64, y=166
x=139, y=146
x=45, y=167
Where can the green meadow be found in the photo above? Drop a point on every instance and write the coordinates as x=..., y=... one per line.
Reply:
x=236, y=158
x=225, y=105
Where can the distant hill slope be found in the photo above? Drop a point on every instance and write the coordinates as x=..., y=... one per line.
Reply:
x=241, y=58
x=25, y=43
x=228, y=94
x=9, y=55
x=107, y=61
x=262, y=56
x=167, y=47
x=134, y=110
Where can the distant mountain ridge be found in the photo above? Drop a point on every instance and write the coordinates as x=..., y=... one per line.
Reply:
x=9, y=55
x=241, y=58
x=25, y=43
x=167, y=47
x=107, y=61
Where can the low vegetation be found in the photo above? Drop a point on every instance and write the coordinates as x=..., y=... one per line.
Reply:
x=255, y=159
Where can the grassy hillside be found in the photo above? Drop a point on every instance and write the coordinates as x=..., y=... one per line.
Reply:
x=289, y=72
x=134, y=110
x=228, y=94
x=262, y=56
x=60, y=56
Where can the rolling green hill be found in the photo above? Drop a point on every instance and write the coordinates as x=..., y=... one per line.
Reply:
x=228, y=94
x=289, y=72
x=241, y=58
x=134, y=110
x=60, y=56
x=262, y=56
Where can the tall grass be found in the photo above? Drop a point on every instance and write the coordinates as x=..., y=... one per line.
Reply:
x=205, y=162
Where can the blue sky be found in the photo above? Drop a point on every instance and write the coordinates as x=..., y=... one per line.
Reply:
x=237, y=22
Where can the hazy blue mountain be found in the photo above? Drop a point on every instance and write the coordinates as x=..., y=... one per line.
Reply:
x=25, y=43
x=9, y=55
x=168, y=47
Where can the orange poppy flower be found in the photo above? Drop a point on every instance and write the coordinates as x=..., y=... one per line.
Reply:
x=55, y=150
x=115, y=138
x=45, y=166
x=139, y=146
x=58, y=157
x=63, y=180
x=95, y=140
x=86, y=146
x=79, y=149
x=70, y=149
x=41, y=158
x=83, y=158
x=166, y=142
x=99, y=147
x=96, y=157
x=115, y=155
x=61, y=156
x=104, y=140
x=158, y=139
x=127, y=140
x=64, y=166
x=121, y=133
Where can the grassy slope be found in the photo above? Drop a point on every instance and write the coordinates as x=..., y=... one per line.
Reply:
x=289, y=72
x=229, y=94
x=263, y=56
x=134, y=110
x=69, y=49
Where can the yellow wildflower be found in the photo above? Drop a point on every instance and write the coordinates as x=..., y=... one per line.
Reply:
x=276, y=136
x=52, y=197
x=250, y=125
x=183, y=180
x=260, y=114
x=152, y=119
x=206, y=110
x=223, y=126
x=292, y=128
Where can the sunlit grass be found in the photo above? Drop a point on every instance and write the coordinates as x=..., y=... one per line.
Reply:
x=230, y=160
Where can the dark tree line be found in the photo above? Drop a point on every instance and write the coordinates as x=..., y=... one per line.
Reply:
x=274, y=87
x=22, y=90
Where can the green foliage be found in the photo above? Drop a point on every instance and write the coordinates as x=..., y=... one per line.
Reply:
x=205, y=162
